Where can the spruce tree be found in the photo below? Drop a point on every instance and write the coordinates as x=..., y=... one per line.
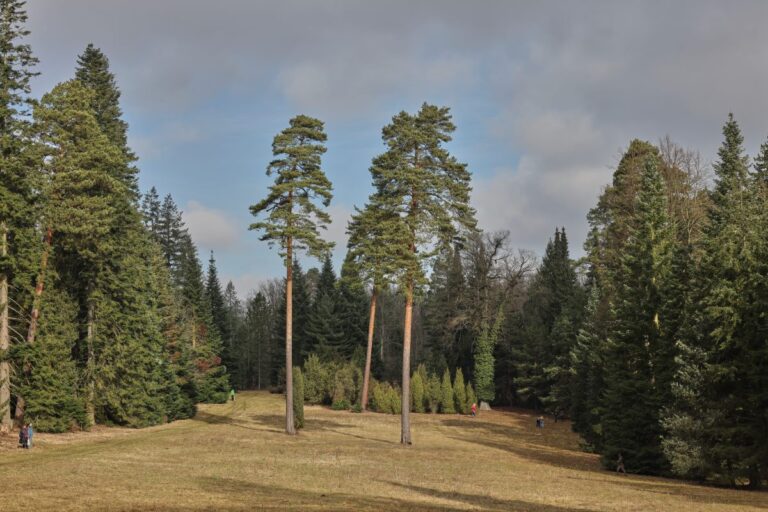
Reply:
x=447, y=398
x=16, y=185
x=427, y=191
x=93, y=72
x=460, y=392
x=417, y=393
x=324, y=334
x=292, y=215
x=639, y=357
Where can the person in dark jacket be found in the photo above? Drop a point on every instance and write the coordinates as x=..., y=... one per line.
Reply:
x=24, y=436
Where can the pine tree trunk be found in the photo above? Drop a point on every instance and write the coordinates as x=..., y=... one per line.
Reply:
x=290, y=426
x=90, y=405
x=405, y=416
x=369, y=351
x=5, y=341
x=32, y=331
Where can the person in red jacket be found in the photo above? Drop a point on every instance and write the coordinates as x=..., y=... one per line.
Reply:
x=474, y=409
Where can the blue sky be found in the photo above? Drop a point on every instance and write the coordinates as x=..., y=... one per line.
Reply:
x=544, y=96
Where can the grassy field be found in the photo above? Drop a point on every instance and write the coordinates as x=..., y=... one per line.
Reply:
x=235, y=457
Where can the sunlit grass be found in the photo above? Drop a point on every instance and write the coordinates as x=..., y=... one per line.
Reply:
x=236, y=457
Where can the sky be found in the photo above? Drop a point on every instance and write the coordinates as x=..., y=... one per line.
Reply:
x=545, y=95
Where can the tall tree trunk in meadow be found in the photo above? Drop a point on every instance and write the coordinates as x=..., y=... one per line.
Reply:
x=290, y=426
x=90, y=397
x=5, y=340
x=405, y=416
x=369, y=351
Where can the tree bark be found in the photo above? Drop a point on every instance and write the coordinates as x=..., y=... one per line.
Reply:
x=405, y=416
x=369, y=351
x=290, y=425
x=90, y=405
x=32, y=331
x=5, y=341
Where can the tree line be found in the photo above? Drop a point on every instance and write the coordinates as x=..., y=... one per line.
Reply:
x=104, y=313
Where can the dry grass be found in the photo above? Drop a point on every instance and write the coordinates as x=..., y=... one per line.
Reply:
x=235, y=457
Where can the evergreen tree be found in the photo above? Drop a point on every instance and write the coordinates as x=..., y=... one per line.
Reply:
x=368, y=254
x=352, y=309
x=719, y=383
x=447, y=398
x=16, y=184
x=324, y=334
x=427, y=192
x=150, y=210
x=417, y=393
x=484, y=362
x=460, y=392
x=639, y=357
x=293, y=217
x=218, y=312
x=93, y=72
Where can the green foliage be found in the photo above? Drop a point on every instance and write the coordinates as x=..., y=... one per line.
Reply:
x=433, y=392
x=385, y=398
x=340, y=405
x=460, y=392
x=471, y=397
x=317, y=380
x=447, y=400
x=298, y=398
x=484, y=360
x=417, y=393
x=292, y=216
x=51, y=386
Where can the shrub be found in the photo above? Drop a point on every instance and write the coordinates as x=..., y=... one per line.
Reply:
x=460, y=392
x=417, y=393
x=394, y=400
x=471, y=397
x=340, y=405
x=298, y=398
x=316, y=380
x=357, y=407
x=446, y=395
x=344, y=388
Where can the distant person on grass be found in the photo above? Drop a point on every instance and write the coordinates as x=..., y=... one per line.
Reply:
x=23, y=436
x=474, y=409
x=30, y=433
x=232, y=394
x=620, y=465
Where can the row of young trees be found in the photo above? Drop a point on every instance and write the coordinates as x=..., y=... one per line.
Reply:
x=100, y=320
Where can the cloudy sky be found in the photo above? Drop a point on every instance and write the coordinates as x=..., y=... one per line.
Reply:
x=544, y=94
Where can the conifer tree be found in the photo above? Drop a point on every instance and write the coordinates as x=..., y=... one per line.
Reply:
x=427, y=192
x=16, y=186
x=484, y=360
x=447, y=398
x=639, y=356
x=93, y=72
x=417, y=392
x=368, y=252
x=292, y=216
x=460, y=392
x=324, y=334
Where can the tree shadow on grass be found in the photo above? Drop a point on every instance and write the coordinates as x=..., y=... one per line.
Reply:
x=218, y=419
x=276, y=421
x=523, y=444
x=257, y=496
x=486, y=502
x=534, y=448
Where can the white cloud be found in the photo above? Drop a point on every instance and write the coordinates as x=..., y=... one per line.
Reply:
x=211, y=228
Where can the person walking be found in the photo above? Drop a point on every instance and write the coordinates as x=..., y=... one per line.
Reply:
x=232, y=394
x=620, y=465
x=474, y=409
x=30, y=433
x=23, y=439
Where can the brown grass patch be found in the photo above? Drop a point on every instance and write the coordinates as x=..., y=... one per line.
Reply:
x=235, y=457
